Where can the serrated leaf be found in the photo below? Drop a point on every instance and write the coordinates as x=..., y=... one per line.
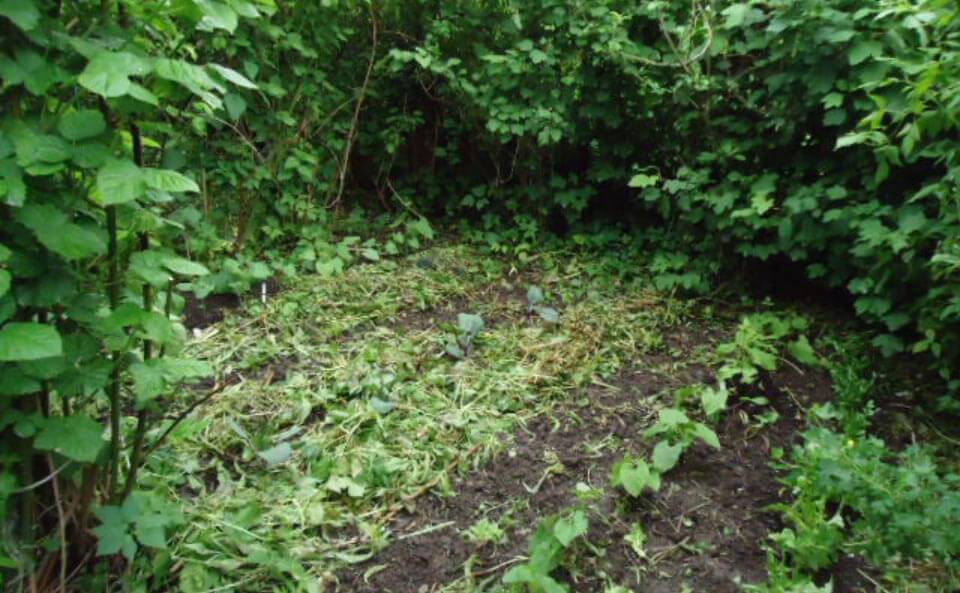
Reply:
x=76, y=437
x=54, y=230
x=29, y=341
x=862, y=50
x=118, y=182
x=665, y=456
x=112, y=533
x=108, y=73
x=183, y=266
x=29, y=68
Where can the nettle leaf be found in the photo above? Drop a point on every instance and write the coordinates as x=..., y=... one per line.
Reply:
x=29, y=341
x=118, y=182
x=108, y=73
x=666, y=456
x=569, y=528
x=862, y=50
x=55, y=231
x=83, y=124
x=76, y=437
x=23, y=13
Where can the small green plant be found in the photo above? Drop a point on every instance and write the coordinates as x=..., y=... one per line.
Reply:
x=678, y=429
x=552, y=538
x=466, y=331
x=535, y=300
x=635, y=476
x=637, y=539
x=757, y=346
x=484, y=532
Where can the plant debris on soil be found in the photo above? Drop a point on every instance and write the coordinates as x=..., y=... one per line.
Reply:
x=705, y=529
x=349, y=452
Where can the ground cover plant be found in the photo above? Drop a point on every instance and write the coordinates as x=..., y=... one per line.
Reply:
x=407, y=295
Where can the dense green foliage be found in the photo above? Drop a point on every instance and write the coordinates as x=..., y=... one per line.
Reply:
x=144, y=144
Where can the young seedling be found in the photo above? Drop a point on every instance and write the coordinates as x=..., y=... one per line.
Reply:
x=635, y=476
x=468, y=328
x=535, y=300
x=485, y=532
x=553, y=536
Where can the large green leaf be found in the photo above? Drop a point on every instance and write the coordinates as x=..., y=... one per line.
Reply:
x=118, y=182
x=108, y=73
x=23, y=13
x=12, y=188
x=193, y=77
x=216, y=15
x=31, y=70
x=83, y=124
x=570, y=527
x=183, y=266
x=113, y=533
x=29, y=341
x=4, y=282
x=55, y=231
x=665, y=456
x=76, y=437
x=166, y=180
x=233, y=76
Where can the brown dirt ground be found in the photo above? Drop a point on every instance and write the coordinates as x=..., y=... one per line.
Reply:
x=705, y=527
